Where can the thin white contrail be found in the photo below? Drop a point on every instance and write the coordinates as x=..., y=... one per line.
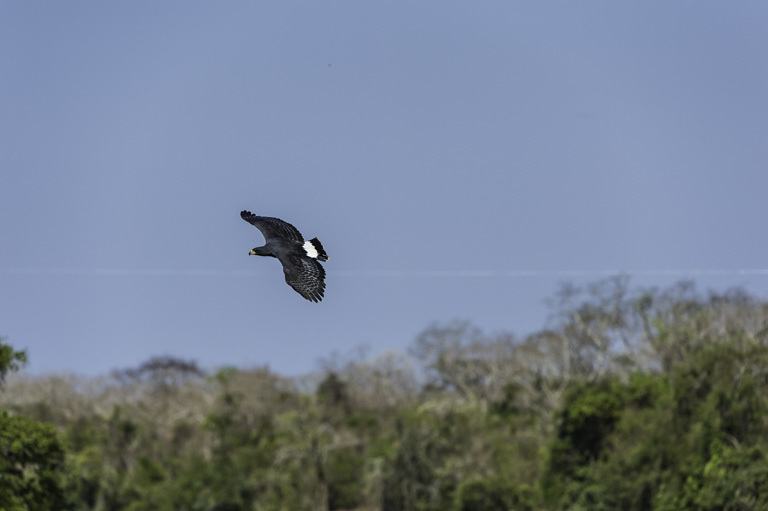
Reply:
x=551, y=273
x=166, y=272
x=132, y=272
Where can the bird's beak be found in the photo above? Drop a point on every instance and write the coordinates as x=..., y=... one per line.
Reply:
x=252, y=252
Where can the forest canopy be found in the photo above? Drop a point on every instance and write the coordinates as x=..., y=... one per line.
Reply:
x=628, y=399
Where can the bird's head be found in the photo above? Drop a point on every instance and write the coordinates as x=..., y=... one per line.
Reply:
x=262, y=251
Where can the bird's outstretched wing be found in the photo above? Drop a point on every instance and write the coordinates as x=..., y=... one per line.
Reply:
x=272, y=228
x=306, y=276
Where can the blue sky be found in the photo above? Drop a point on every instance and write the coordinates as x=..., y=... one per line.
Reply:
x=435, y=148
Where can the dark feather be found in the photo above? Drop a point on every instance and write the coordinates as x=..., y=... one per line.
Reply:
x=272, y=228
x=306, y=276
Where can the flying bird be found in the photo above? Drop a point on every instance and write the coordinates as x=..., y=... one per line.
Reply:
x=299, y=258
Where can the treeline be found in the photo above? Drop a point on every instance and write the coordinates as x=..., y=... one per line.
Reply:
x=628, y=399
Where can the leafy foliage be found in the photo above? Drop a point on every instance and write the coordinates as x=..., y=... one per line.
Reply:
x=31, y=454
x=655, y=399
x=10, y=360
x=31, y=465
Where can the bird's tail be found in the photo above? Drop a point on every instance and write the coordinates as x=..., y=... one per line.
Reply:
x=321, y=255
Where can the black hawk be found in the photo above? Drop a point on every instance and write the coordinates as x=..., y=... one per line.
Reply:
x=299, y=258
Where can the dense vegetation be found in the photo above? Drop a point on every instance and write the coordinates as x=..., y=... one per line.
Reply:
x=632, y=400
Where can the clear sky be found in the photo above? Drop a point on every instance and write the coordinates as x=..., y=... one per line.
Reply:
x=436, y=148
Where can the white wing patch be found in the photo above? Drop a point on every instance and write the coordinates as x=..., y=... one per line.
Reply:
x=310, y=249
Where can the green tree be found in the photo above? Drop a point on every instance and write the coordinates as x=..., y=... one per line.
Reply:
x=31, y=454
x=10, y=360
x=31, y=465
x=492, y=494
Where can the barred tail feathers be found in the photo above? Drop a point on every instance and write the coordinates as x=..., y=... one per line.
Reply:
x=315, y=249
